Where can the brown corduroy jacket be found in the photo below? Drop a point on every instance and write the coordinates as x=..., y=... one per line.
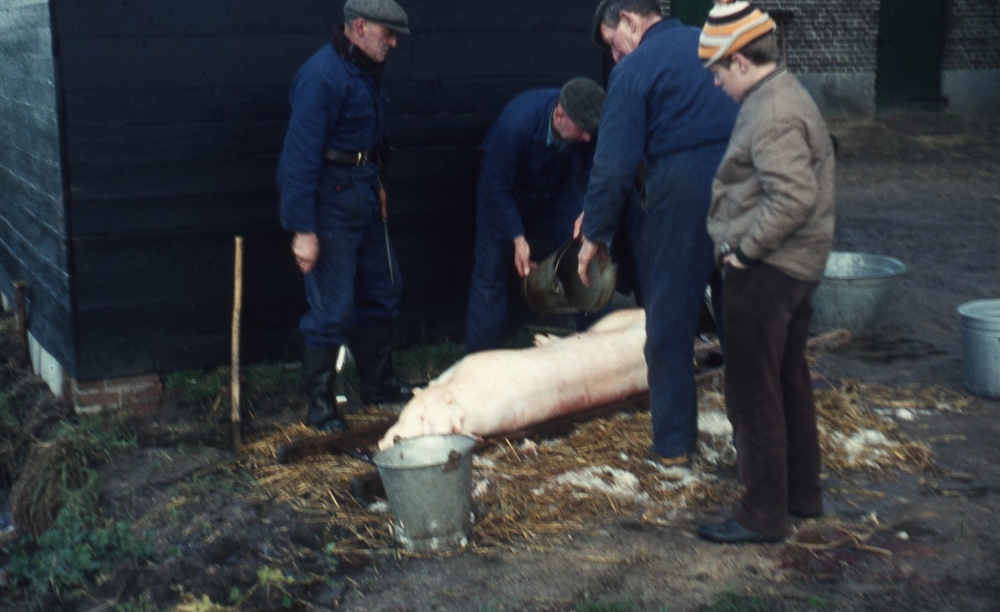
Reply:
x=773, y=193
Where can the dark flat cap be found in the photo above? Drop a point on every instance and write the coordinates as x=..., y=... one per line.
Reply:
x=385, y=12
x=583, y=100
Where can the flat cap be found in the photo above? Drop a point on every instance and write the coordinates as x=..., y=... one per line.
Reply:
x=583, y=100
x=384, y=12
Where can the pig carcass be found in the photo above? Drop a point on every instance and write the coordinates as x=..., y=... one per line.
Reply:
x=500, y=391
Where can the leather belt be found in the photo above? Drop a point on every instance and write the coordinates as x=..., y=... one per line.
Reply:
x=352, y=158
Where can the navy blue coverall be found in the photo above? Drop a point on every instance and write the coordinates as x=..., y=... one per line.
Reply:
x=337, y=105
x=663, y=109
x=526, y=178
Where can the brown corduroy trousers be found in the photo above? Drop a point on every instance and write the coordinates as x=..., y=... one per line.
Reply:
x=769, y=398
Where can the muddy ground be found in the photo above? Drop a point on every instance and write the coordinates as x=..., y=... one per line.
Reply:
x=920, y=188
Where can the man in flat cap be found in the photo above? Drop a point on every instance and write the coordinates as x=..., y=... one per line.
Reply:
x=527, y=185
x=333, y=201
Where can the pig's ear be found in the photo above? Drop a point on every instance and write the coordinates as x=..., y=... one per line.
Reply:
x=417, y=391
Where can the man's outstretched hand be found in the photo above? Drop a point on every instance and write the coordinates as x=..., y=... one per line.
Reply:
x=587, y=252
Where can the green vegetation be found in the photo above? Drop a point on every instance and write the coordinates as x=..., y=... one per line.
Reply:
x=71, y=556
x=608, y=606
x=731, y=601
x=136, y=604
x=61, y=474
x=62, y=484
x=200, y=389
x=271, y=578
x=426, y=361
x=197, y=387
x=16, y=431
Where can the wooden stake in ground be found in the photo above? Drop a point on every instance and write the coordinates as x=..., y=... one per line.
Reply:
x=237, y=308
x=22, y=324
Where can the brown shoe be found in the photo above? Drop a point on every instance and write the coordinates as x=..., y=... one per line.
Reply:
x=679, y=461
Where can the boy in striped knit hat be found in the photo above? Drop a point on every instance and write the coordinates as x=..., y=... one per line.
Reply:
x=771, y=220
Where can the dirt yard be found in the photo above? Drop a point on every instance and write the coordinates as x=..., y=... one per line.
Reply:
x=920, y=188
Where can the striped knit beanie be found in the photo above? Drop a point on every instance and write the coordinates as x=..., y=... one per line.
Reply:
x=731, y=25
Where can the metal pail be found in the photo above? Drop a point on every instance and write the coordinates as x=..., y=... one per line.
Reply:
x=981, y=346
x=554, y=287
x=854, y=292
x=428, y=481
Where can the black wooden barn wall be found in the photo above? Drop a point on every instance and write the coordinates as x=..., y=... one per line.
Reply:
x=32, y=221
x=175, y=112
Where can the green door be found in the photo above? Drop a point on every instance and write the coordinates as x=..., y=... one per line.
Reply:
x=691, y=12
x=910, y=52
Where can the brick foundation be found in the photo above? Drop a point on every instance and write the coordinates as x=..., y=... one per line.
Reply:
x=137, y=394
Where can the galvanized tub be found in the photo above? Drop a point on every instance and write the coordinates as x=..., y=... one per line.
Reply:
x=554, y=287
x=981, y=346
x=854, y=292
x=428, y=481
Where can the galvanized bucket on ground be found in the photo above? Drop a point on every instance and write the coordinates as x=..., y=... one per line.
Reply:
x=854, y=292
x=428, y=481
x=554, y=287
x=981, y=346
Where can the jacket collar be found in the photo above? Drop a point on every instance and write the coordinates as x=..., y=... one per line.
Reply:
x=760, y=83
x=352, y=54
x=662, y=24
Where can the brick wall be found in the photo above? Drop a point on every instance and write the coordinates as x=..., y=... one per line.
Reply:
x=828, y=36
x=972, y=35
x=137, y=394
x=840, y=35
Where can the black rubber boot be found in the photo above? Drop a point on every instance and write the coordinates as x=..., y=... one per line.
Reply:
x=319, y=375
x=371, y=345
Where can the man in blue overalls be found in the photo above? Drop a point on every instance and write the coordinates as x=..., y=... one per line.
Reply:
x=527, y=181
x=662, y=110
x=332, y=199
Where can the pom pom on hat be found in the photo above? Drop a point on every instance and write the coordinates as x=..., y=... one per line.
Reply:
x=731, y=25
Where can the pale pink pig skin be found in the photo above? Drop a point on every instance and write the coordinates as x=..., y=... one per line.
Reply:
x=500, y=391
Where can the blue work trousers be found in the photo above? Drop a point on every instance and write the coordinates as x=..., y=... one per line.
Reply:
x=549, y=224
x=356, y=278
x=677, y=263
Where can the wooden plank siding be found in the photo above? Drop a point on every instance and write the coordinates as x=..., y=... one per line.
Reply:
x=174, y=116
x=33, y=233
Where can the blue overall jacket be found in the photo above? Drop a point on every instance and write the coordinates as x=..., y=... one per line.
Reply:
x=519, y=168
x=661, y=102
x=335, y=105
